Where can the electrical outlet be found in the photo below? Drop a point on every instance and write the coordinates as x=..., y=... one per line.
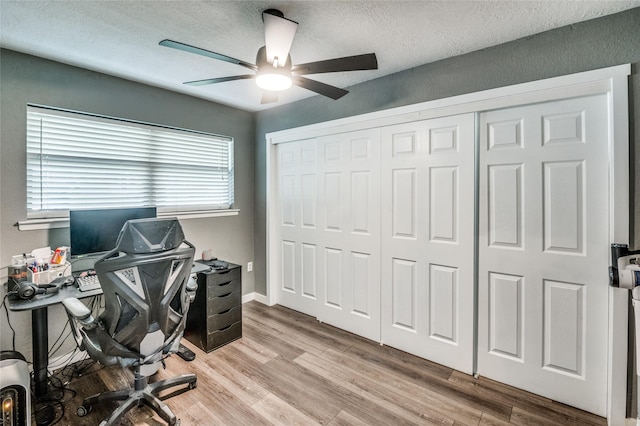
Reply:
x=249, y=266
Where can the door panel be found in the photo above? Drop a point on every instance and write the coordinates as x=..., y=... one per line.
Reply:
x=505, y=205
x=333, y=284
x=543, y=258
x=309, y=283
x=443, y=214
x=403, y=294
x=349, y=273
x=506, y=316
x=428, y=239
x=442, y=297
x=298, y=183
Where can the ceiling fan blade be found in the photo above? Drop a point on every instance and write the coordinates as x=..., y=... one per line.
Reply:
x=318, y=87
x=349, y=63
x=278, y=35
x=268, y=97
x=208, y=53
x=219, y=80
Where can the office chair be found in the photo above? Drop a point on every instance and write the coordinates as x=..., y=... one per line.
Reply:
x=147, y=286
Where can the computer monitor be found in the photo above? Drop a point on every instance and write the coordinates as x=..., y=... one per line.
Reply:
x=94, y=232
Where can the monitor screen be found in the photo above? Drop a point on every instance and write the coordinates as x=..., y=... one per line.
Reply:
x=96, y=231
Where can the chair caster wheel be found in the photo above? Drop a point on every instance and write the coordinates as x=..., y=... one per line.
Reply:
x=82, y=411
x=193, y=385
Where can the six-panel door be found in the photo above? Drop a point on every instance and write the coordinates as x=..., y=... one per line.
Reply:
x=428, y=239
x=543, y=249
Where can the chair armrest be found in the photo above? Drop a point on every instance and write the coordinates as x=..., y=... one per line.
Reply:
x=192, y=284
x=76, y=308
x=79, y=311
x=191, y=287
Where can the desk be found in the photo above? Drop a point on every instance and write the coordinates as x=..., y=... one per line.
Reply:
x=40, y=327
x=40, y=324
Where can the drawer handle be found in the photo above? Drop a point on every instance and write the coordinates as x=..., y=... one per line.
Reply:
x=225, y=295
x=223, y=271
x=224, y=312
x=223, y=284
x=223, y=329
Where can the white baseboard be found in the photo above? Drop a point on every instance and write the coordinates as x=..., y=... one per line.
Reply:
x=255, y=296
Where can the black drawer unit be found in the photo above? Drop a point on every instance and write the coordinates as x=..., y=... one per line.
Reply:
x=215, y=316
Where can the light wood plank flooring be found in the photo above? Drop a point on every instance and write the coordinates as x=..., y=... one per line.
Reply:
x=288, y=369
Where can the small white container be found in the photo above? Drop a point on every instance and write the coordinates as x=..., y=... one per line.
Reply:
x=45, y=277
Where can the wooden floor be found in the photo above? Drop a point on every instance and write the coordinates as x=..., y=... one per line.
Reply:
x=288, y=369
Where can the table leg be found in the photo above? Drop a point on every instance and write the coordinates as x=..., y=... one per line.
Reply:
x=40, y=342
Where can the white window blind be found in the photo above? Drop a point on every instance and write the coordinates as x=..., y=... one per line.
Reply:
x=79, y=161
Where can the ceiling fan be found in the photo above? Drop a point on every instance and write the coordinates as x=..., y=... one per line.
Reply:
x=273, y=70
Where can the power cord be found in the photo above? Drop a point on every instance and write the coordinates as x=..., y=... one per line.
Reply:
x=59, y=393
x=55, y=347
x=94, y=306
x=6, y=310
x=53, y=401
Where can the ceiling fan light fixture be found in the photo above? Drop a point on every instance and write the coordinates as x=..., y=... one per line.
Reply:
x=274, y=76
x=273, y=81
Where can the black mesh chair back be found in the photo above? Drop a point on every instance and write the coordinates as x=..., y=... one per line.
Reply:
x=144, y=284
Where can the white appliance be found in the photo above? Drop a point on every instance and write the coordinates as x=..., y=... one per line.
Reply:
x=15, y=389
x=624, y=272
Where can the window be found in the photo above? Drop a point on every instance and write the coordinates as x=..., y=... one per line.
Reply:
x=83, y=161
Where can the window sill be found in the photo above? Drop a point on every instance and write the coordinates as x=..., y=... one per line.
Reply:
x=63, y=222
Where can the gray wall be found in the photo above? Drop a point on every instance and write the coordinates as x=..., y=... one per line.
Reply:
x=27, y=79
x=599, y=43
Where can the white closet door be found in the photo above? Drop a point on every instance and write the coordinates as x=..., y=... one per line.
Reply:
x=427, y=265
x=543, y=249
x=349, y=232
x=297, y=216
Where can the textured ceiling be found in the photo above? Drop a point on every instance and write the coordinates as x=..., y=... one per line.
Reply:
x=121, y=37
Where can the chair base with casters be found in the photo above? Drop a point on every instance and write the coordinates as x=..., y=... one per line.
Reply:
x=141, y=393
